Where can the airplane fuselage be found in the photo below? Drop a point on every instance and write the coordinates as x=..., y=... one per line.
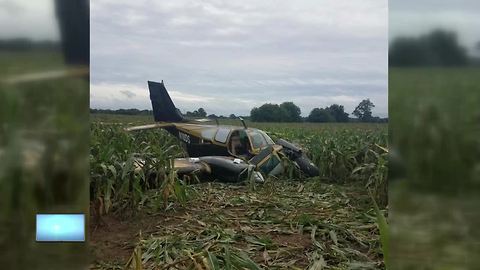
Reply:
x=197, y=146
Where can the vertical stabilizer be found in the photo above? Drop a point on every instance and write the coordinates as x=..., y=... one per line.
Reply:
x=163, y=108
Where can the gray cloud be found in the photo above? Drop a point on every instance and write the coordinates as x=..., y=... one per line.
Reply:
x=128, y=94
x=236, y=55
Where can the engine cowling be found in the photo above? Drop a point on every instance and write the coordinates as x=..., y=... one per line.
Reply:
x=297, y=155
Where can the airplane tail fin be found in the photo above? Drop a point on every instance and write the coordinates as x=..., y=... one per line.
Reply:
x=163, y=108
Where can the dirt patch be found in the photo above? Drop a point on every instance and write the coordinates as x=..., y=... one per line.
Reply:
x=300, y=241
x=115, y=238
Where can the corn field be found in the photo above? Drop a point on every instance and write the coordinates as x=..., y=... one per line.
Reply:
x=287, y=222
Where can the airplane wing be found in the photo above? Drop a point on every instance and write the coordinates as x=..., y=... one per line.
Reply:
x=150, y=126
x=222, y=168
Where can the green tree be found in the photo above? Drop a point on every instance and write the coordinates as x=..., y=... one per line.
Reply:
x=320, y=115
x=291, y=111
x=338, y=113
x=437, y=48
x=364, y=110
x=202, y=112
x=197, y=113
x=267, y=113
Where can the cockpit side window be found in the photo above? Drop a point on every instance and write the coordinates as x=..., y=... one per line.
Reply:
x=208, y=133
x=222, y=135
x=239, y=144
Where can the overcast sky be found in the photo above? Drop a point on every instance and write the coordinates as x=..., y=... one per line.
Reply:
x=229, y=56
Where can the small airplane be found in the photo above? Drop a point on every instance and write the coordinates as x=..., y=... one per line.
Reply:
x=227, y=153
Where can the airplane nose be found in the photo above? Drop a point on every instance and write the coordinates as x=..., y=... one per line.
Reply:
x=307, y=166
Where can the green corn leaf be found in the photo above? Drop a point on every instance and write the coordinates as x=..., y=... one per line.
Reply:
x=213, y=261
x=383, y=228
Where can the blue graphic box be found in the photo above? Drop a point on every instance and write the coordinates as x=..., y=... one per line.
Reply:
x=60, y=228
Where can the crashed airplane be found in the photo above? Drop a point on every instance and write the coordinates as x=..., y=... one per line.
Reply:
x=223, y=152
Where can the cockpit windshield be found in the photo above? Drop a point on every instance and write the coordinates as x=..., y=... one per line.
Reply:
x=267, y=138
x=259, y=139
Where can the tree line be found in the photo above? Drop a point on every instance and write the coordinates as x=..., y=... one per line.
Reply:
x=436, y=48
x=122, y=111
x=200, y=113
x=285, y=112
x=24, y=44
x=289, y=112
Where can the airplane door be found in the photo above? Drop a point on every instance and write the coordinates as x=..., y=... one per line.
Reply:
x=268, y=161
